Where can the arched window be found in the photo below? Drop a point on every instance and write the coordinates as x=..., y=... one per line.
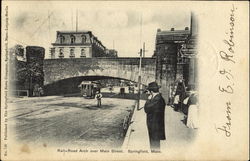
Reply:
x=72, y=53
x=62, y=39
x=61, y=55
x=83, y=54
x=72, y=39
x=83, y=38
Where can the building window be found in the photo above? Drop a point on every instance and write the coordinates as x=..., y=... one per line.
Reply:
x=62, y=39
x=83, y=54
x=72, y=39
x=164, y=67
x=83, y=39
x=52, y=52
x=61, y=55
x=72, y=53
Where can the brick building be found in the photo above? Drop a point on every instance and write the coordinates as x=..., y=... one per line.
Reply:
x=187, y=57
x=175, y=52
x=77, y=44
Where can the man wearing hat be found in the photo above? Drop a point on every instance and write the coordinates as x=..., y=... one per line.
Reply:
x=98, y=97
x=155, y=110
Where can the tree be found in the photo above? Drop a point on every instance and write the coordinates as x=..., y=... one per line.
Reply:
x=35, y=57
x=18, y=67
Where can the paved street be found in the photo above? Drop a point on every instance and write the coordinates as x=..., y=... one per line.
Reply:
x=57, y=120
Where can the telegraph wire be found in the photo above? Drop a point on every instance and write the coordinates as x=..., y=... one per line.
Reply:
x=42, y=24
x=18, y=41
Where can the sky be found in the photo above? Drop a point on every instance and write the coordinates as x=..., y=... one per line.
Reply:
x=122, y=25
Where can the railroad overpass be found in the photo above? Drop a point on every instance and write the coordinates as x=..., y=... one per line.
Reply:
x=58, y=70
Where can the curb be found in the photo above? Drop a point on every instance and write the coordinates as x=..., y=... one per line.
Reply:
x=130, y=129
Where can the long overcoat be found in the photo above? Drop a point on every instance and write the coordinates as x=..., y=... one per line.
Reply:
x=155, y=110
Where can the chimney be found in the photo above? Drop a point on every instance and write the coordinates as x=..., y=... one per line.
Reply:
x=172, y=29
x=186, y=28
x=158, y=30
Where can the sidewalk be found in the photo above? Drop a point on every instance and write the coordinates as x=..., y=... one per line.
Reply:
x=137, y=134
x=177, y=134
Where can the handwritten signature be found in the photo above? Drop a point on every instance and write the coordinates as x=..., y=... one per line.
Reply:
x=227, y=127
x=227, y=57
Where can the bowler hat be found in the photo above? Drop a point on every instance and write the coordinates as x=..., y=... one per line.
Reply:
x=153, y=85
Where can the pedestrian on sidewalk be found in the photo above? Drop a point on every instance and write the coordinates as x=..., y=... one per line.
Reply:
x=98, y=97
x=176, y=102
x=155, y=110
x=193, y=111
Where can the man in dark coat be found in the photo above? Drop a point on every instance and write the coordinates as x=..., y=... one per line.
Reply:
x=155, y=110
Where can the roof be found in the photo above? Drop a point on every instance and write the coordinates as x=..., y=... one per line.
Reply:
x=73, y=32
x=175, y=32
x=172, y=36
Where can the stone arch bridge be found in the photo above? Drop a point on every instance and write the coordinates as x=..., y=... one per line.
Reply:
x=124, y=68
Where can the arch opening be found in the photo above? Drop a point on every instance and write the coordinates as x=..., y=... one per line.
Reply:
x=69, y=86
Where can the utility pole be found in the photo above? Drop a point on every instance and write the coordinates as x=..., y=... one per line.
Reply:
x=72, y=26
x=144, y=50
x=49, y=24
x=141, y=52
x=139, y=81
x=76, y=20
x=140, y=28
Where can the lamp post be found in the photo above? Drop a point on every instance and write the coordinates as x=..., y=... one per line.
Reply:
x=139, y=81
